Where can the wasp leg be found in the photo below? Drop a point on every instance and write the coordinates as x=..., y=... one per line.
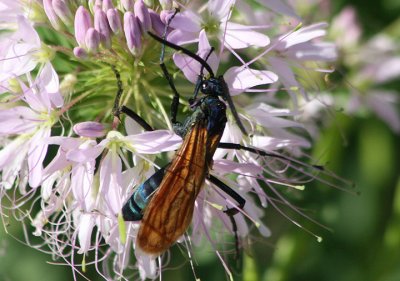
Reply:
x=117, y=109
x=136, y=117
x=235, y=231
x=230, y=211
x=236, y=196
x=260, y=152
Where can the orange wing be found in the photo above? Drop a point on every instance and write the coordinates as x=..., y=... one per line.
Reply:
x=169, y=212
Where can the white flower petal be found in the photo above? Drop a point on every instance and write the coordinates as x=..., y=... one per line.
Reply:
x=180, y=37
x=321, y=51
x=240, y=79
x=36, y=154
x=17, y=120
x=302, y=35
x=220, y=8
x=110, y=182
x=155, y=141
x=240, y=36
x=85, y=228
x=280, y=7
x=187, y=21
x=49, y=82
x=384, y=104
x=190, y=67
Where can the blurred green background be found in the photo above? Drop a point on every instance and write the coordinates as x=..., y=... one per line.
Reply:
x=364, y=244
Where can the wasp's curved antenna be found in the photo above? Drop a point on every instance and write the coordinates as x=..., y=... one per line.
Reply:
x=185, y=51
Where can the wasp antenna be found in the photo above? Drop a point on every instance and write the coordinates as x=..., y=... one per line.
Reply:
x=206, y=59
x=235, y=114
x=203, y=63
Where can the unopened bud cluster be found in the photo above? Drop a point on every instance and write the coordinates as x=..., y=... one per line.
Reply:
x=95, y=26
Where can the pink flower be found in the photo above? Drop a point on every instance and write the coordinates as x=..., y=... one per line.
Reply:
x=188, y=25
x=19, y=51
x=29, y=125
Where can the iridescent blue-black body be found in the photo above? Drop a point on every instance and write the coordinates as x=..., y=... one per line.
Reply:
x=133, y=208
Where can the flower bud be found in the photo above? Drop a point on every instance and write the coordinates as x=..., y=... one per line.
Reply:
x=128, y=5
x=132, y=33
x=83, y=22
x=51, y=14
x=89, y=129
x=67, y=85
x=62, y=10
x=156, y=24
x=92, y=40
x=143, y=16
x=101, y=25
x=107, y=4
x=114, y=20
x=80, y=53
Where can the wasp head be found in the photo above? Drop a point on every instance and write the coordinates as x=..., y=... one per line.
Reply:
x=214, y=87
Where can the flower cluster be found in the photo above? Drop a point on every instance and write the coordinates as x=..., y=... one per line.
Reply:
x=67, y=163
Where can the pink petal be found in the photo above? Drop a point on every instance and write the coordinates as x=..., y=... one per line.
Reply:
x=180, y=37
x=49, y=82
x=36, y=154
x=9, y=152
x=321, y=51
x=387, y=69
x=85, y=228
x=81, y=183
x=186, y=21
x=228, y=166
x=272, y=117
x=240, y=36
x=110, y=182
x=85, y=153
x=155, y=141
x=302, y=35
x=17, y=120
x=17, y=59
x=286, y=77
x=190, y=67
x=220, y=8
x=240, y=79
x=279, y=7
x=384, y=104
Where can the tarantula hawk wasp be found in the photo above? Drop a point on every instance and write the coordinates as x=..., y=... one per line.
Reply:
x=165, y=202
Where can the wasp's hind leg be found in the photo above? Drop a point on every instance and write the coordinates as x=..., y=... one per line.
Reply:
x=233, y=194
x=231, y=212
x=260, y=152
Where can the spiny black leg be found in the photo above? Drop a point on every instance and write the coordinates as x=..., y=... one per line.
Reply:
x=228, y=145
x=117, y=109
x=231, y=212
x=236, y=196
x=235, y=231
x=261, y=153
x=136, y=117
